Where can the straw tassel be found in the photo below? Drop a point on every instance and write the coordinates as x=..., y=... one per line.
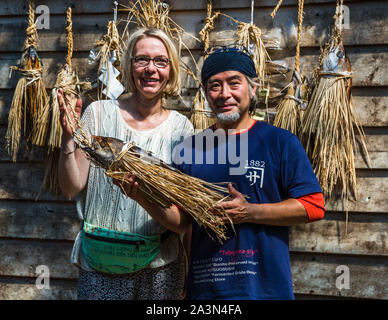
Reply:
x=200, y=118
x=30, y=99
x=67, y=80
x=289, y=113
x=250, y=36
x=328, y=134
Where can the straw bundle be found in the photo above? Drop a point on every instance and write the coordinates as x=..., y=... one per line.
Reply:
x=158, y=182
x=67, y=80
x=166, y=186
x=250, y=36
x=329, y=121
x=289, y=113
x=200, y=118
x=154, y=14
x=30, y=101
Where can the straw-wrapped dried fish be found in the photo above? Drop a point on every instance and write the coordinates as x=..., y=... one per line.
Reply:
x=329, y=121
x=290, y=109
x=159, y=182
x=30, y=103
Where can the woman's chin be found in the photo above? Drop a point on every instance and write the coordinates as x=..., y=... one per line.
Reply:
x=150, y=93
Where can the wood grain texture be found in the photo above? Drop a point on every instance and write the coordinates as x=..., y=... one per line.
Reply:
x=312, y=273
x=317, y=274
x=18, y=7
x=38, y=220
x=367, y=234
x=365, y=19
x=42, y=232
x=376, y=141
x=25, y=289
x=21, y=257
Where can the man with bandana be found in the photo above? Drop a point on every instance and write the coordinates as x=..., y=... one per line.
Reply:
x=272, y=187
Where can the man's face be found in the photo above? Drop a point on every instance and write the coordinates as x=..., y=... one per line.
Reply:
x=228, y=95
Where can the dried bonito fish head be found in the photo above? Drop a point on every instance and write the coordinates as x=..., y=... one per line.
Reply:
x=336, y=60
x=103, y=150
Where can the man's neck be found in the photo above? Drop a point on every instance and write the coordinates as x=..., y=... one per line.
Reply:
x=241, y=124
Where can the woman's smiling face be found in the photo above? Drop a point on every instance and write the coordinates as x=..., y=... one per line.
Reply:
x=150, y=81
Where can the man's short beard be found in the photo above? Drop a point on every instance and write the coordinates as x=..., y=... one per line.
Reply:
x=228, y=118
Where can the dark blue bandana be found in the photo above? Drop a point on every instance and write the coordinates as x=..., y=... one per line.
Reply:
x=227, y=61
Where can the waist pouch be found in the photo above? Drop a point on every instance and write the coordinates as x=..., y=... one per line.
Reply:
x=118, y=252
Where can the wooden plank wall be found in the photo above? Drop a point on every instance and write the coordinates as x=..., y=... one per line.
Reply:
x=39, y=229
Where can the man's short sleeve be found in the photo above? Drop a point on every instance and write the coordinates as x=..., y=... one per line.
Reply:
x=298, y=177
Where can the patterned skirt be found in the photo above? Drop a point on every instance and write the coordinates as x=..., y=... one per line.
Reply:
x=164, y=283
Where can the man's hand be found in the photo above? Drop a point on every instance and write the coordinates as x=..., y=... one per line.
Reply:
x=237, y=208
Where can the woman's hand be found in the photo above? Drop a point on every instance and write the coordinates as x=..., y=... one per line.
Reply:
x=63, y=107
x=128, y=187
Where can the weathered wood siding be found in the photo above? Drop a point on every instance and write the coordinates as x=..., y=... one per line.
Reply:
x=38, y=229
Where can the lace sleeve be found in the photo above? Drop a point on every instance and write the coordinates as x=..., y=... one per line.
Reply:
x=88, y=120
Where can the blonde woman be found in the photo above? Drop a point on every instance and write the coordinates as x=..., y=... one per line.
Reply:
x=128, y=248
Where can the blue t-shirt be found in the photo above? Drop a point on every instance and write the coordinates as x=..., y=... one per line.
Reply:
x=268, y=165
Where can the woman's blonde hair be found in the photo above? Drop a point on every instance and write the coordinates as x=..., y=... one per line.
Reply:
x=173, y=84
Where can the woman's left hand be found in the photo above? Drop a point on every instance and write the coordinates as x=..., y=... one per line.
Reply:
x=237, y=208
x=128, y=186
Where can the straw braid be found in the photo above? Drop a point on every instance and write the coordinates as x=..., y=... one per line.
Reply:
x=32, y=33
x=273, y=13
x=209, y=25
x=69, y=32
x=111, y=38
x=300, y=22
x=339, y=16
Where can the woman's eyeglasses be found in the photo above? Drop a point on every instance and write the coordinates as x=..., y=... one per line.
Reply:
x=143, y=61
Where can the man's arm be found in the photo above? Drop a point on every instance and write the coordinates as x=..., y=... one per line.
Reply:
x=285, y=213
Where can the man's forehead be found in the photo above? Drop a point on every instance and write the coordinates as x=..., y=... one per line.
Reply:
x=226, y=75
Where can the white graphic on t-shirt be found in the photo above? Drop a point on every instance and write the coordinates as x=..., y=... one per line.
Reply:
x=255, y=172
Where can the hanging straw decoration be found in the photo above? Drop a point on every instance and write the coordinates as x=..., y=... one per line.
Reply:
x=200, y=117
x=289, y=110
x=30, y=99
x=209, y=25
x=109, y=51
x=251, y=36
x=155, y=14
x=67, y=80
x=158, y=182
x=328, y=122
